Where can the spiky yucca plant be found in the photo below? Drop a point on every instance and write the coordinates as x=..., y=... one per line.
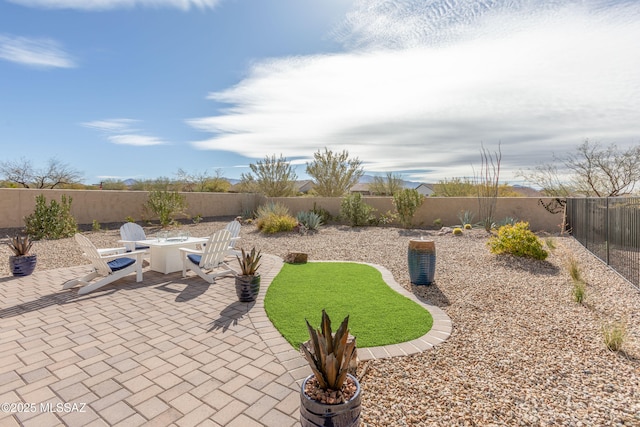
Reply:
x=20, y=245
x=331, y=354
x=250, y=262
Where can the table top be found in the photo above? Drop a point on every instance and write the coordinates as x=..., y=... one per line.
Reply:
x=171, y=241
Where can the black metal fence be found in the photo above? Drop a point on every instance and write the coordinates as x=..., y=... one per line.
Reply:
x=609, y=227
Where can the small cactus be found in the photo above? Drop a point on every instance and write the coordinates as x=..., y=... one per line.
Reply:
x=457, y=231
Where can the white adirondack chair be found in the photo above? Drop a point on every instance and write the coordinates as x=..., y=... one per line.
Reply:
x=234, y=228
x=106, y=264
x=130, y=233
x=209, y=262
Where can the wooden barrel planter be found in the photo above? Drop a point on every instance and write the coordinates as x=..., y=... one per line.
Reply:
x=316, y=414
x=422, y=261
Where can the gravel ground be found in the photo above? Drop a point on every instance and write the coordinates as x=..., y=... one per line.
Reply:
x=521, y=352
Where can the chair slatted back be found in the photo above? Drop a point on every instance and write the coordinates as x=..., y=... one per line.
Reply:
x=216, y=249
x=92, y=254
x=234, y=228
x=132, y=231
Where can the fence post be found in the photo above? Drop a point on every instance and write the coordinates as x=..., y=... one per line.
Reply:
x=606, y=230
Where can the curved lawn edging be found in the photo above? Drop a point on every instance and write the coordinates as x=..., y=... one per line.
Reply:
x=439, y=332
x=297, y=366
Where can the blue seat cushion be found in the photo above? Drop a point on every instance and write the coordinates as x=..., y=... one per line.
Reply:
x=194, y=258
x=120, y=263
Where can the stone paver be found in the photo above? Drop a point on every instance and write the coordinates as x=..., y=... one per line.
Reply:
x=168, y=350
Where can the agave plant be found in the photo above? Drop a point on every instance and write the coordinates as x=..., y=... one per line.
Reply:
x=309, y=219
x=330, y=354
x=20, y=245
x=249, y=262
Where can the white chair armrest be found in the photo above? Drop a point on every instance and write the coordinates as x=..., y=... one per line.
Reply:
x=111, y=251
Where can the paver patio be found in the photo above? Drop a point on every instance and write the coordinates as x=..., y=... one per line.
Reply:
x=167, y=351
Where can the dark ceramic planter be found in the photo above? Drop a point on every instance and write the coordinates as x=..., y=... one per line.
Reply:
x=22, y=265
x=247, y=287
x=316, y=414
x=421, y=258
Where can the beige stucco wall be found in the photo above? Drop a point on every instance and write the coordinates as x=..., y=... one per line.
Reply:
x=114, y=206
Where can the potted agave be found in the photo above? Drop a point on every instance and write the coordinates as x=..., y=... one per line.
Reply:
x=330, y=396
x=22, y=263
x=248, y=283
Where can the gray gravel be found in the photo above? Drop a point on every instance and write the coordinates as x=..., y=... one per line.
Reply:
x=521, y=353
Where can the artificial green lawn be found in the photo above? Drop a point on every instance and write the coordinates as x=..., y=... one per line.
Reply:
x=377, y=314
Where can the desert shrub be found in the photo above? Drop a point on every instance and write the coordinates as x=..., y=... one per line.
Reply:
x=551, y=243
x=53, y=221
x=273, y=223
x=457, y=231
x=407, y=203
x=324, y=214
x=614, y=334
x=271, y=208
x=310, y=220
x=437, y=222
x=95, y=226
x=355, y=210
x=517, y=240
x=129, y=219
x=166, y=205
x=466, y=219
x=579, y=289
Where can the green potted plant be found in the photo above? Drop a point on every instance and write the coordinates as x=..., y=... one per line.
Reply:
x=330, y=396
x=22, y=263
x=248, y=283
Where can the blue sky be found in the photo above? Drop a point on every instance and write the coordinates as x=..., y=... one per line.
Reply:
x=139, y=88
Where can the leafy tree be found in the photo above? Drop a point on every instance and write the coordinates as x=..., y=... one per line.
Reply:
x=334, y=173
x=455, y=187
x=387, y=186
x=166, y=205
x=53, y=221
x=407, y=203
x=55, y=174
x=274, y=177
x=202, y=181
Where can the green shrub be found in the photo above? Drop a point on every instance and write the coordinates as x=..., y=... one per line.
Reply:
x=166, y=205
x=517, y=240
x=551, y=243
x=95, y=226
x=457, y=231
x=310, y=220
x=276, y=223
x=407, y=203
x=53, y=221
x=579, y=290
x=129, y=219
x=324, y=214
x=437, y=222
x=355, y=210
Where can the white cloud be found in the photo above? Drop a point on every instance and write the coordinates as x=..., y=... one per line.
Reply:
x=34, y=52
x=405, y=98
x=122, y=132
x=116, y=4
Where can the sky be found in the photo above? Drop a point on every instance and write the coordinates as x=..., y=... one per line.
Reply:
x=121, y=89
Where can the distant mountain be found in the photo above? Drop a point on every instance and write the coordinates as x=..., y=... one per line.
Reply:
x=129, y=182
x=368, y=179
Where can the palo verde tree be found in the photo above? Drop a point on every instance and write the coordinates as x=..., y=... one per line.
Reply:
x=334, y=173
x=274, y=177
x=386, y=186
x=594, y=170
x=55, y=174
